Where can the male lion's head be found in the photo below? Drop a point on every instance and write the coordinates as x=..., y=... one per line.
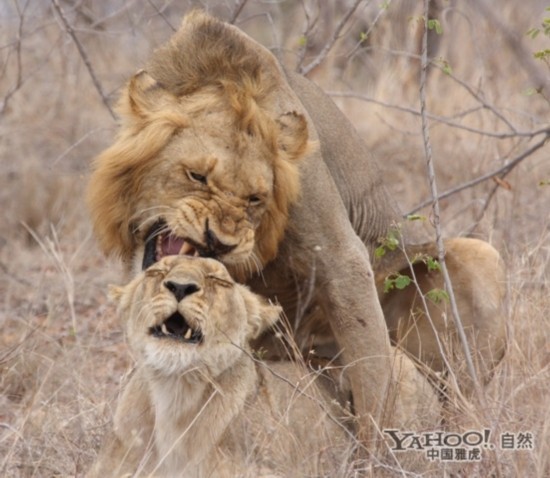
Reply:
x=205, y=160
x=187, y=312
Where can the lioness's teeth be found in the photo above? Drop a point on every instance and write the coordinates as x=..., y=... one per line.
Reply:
x=196, y=254
x=164, y=329
x=188, y=334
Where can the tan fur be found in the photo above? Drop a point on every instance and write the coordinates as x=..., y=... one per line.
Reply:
x=210, y=409
x=478, y=277
x=301, y=220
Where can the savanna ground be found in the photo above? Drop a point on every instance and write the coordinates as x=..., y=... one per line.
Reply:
x=62, y=352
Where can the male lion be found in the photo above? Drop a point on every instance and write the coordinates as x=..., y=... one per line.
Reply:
x=223, y=154
x=200, y=405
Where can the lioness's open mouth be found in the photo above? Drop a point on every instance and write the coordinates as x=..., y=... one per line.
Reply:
x=176, y=327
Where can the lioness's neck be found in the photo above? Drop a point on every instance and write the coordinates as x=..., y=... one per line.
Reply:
x=192, y=412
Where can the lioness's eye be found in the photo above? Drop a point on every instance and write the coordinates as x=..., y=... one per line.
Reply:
x=197, y=177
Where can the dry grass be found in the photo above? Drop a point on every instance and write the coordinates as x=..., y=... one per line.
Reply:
x=62, y=353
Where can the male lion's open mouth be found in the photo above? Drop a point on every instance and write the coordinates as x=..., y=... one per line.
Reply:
x=161, y=241
x=176, y=327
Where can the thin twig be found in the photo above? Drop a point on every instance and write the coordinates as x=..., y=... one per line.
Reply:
x=502, y=171
x=69, y=29
x=237, y=10
x=436, y=212
x=305, y=70
x=365, y=35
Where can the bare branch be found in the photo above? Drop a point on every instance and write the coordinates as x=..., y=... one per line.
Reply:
x=502, y=171
x=436, y=212
x=162, y=15
x=441, y=119
x=305, y=70
x=69, y=29
x=515, y=45
x=19, y=76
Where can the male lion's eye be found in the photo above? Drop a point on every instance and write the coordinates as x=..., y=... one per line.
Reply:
x=197, y=177
x=254, y=200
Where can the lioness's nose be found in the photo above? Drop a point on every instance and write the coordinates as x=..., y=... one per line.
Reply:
x=181, y=291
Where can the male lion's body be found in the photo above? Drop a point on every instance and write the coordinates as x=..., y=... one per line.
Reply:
x=221, y=153
x=205, y=407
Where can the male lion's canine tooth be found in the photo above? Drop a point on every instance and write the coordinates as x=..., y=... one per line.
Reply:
x=186, y=248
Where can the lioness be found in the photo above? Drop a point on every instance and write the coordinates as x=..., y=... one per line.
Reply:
x=221, y=153
x=200, y=405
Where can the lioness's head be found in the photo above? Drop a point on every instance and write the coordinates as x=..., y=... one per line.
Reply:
x=187, y=312
x=205, y=160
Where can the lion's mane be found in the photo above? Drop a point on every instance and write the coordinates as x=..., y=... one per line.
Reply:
x=157, y=103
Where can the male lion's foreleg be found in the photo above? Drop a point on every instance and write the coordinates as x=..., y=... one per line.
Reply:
x=360, y=330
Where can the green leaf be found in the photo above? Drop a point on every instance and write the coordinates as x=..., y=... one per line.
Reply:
x=389, y=284
x=362, y=36
x=544, y=182
x=530, y=91
x=402, y=281
x=379, y=252
x=302, y=41
x=433, y=24
x=433, y=264
x=416, y=217
x=437, y=296
x=542, y=54
x=533, y=32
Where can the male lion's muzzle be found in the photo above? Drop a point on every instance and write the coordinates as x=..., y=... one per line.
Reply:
x=161, y=241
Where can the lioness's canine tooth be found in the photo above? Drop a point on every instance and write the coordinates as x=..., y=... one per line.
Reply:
x=188, y=334
x=164, y=329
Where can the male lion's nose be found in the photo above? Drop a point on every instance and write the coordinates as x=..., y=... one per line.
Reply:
x=214, y=247
x=181, y=291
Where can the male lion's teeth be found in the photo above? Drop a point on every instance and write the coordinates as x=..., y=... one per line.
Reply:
x=188, y=334
x=186, y=248
x=164, y=329
x=158, y=248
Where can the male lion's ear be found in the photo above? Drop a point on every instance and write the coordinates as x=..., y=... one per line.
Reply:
x=144, y=95
x=293, y=134
x=261, y=314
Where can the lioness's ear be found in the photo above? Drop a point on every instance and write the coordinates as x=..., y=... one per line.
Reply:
x=293, y=134
x=261, y=314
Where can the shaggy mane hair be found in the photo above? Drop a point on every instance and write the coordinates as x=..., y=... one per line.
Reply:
x=206, y=62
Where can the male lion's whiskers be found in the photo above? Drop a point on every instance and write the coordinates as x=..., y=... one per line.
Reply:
x=147, y=220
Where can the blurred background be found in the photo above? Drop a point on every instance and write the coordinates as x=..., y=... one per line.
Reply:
x=62, y=65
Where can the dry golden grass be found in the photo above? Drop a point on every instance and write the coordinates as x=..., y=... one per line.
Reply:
x=62, y=353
